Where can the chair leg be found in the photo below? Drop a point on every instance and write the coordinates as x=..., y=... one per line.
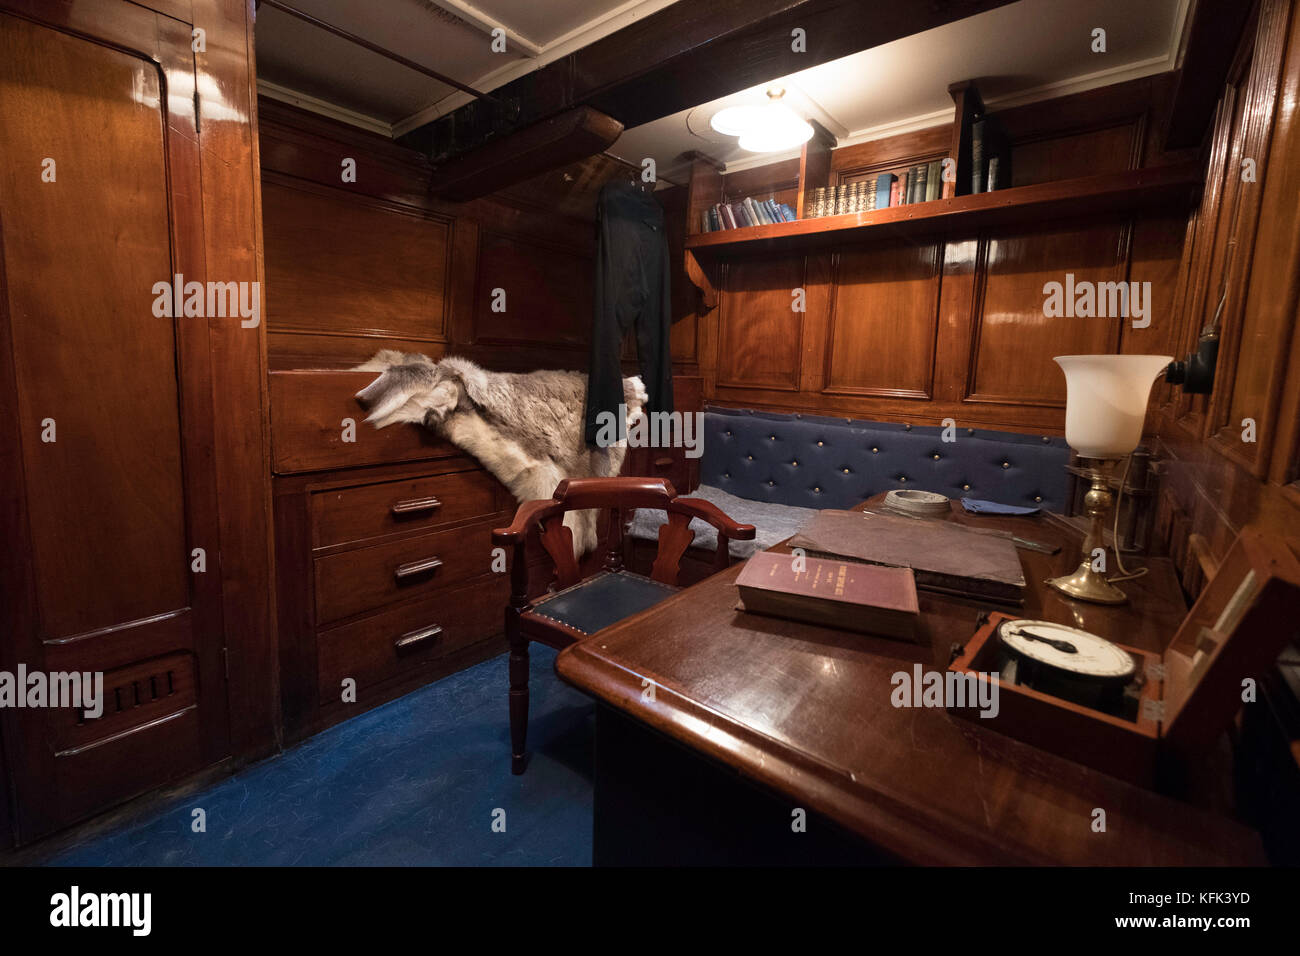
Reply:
x=518, y=694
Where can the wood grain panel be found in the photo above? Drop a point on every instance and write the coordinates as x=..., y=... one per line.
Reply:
x=884, y=311
x=1077, y=154
x=548, y=289
x=81, y=313
x=761, y=335
x=339, y=263
x=1014, y=340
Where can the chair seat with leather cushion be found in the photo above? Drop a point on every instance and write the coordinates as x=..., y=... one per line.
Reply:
x=585, y=606
x=601, y=600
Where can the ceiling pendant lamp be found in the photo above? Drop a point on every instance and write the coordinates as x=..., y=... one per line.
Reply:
x=771, y=128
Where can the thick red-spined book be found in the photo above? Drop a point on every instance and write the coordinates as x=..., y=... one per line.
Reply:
x=844, y=594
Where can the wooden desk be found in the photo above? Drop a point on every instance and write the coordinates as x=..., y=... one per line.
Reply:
x=804, y=713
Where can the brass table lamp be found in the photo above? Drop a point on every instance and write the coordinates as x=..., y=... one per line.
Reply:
x=1105, y=405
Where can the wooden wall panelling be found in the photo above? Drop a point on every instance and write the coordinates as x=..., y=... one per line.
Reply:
x=349, y=265
x=548, y=294
x=535, y=240
x=1207, y=481
x=1014, y=341
x=182, y=195
x=684, y=337
x=1259, y=316
x=982, y=353
x=883, y=321
x=232, y=230
x=760, y=341
x=1156, y=256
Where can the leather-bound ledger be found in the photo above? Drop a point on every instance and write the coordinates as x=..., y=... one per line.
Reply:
x=843, y=594
x=945, y=557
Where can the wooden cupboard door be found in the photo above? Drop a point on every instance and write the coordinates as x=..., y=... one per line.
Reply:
x=108, y=406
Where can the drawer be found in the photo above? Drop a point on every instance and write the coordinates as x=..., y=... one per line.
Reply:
x=340, y=515
x=391, y=643
x=308, y=409
x=355, y=581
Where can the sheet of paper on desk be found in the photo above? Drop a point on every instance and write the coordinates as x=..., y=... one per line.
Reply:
x=945, y=557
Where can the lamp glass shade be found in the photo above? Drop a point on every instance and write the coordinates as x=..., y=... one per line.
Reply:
x=1106, y=401
x=779, y=129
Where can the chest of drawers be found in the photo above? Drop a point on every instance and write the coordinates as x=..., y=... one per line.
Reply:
x=383, y=554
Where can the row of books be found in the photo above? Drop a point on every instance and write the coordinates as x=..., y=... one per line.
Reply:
x=920, y=183
x=746, y=212
x=990, y=154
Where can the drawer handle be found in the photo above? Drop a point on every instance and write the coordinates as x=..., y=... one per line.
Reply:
x=416, y=505
x=405, y=571
x=411, y=638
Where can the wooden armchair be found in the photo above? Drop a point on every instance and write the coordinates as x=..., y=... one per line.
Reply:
x=578, y=607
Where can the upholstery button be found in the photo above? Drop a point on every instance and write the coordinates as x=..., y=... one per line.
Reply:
x=970, y=431
x=750, y=457
x=771, y=438
x=936, y=457
x=1038, y=497
x=965, y=487
x=846, y=471
x=1006, y=464
x=726, y=474
x=817, y=489
x=795, y=463
x=902, y=479
x=907, y=428
x=728, y=433
x=819, y=444
x=771, y=484
x=1046, y=440
x=875, y=451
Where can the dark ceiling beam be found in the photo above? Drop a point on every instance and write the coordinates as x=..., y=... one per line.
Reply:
x=690, y=53
x=558, y=141
x=1210, y=45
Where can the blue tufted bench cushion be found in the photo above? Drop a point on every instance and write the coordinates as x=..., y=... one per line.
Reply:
x=815, y=462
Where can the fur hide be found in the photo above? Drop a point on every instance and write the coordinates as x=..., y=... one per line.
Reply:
x=526, y=429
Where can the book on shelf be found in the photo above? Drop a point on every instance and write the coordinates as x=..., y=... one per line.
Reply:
x=944, y=556
x=993, y=174
x=833, y=593
x=746, y=212
x=933, y=186
x=885, y=185
x=978, y=169
x=922, y=176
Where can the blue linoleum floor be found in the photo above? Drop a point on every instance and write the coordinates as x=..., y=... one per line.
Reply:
x=414, y=782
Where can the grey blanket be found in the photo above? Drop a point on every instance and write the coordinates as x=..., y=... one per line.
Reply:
x=772, y=522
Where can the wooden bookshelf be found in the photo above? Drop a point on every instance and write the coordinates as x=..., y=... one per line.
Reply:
x=1127, y=190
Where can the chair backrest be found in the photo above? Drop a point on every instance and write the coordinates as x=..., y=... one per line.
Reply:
x=614, y=496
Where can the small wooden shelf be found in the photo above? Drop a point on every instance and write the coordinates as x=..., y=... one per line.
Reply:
x=1108, y=192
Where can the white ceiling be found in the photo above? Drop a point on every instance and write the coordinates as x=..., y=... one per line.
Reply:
x=304, y=65
x=1025, y=51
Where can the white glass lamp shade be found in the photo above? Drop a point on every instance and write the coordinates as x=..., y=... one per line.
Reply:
x=780, y=129
x=770, y=128
x=1106, y=401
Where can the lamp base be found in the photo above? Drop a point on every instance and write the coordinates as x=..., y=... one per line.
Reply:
x=1085, y=584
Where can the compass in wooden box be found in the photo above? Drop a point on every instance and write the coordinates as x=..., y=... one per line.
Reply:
x=1127, y=711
